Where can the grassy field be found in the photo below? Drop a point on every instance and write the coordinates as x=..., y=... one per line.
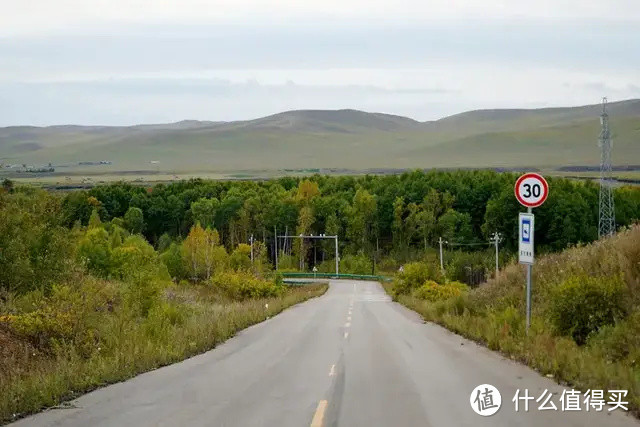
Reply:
x=545, y=138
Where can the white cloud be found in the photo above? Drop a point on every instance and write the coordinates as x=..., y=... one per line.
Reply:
x=132, y=61
x=37, y=16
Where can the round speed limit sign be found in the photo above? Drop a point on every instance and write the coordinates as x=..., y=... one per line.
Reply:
x=531, y=190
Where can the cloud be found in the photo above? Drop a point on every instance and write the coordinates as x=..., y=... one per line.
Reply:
x=71, y=16
x=134, y=61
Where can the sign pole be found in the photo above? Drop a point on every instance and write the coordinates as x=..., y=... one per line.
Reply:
x=529, y=267
x=531, y=190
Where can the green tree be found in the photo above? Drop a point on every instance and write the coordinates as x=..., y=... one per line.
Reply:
x=94, y=250
x=94, y=219
x=204, y=211
x=455, y=226
x=173, y=259
x=134, y=220
x=164, y=242
x=362, y=224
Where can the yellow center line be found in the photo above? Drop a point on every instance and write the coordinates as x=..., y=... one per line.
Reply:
x=318, y=417
x=332, y=372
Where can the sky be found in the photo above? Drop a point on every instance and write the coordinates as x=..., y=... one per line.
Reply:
x=125, y=62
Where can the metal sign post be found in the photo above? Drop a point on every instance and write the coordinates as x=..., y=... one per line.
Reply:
x=526, y=231
x=531, y=191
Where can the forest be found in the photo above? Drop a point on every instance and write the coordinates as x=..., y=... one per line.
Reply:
x=381, y=221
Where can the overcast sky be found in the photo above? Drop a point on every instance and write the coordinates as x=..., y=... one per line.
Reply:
x=121, y=62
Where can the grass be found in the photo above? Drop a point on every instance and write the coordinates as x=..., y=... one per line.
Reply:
x=493, y=315
x=190, y=321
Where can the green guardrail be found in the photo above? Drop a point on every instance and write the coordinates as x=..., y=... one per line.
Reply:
x=311, y=275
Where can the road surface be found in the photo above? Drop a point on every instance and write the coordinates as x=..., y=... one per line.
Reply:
x=349, y=358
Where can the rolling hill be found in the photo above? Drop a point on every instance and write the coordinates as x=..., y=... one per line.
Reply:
x=348, y=139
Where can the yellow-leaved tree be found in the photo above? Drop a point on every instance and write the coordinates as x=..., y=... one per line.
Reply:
x=201, y=252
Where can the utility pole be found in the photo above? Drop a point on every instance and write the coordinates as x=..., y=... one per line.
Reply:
x=337, y=257
x=496, y=239
x=440, y=241
x=607, y=213
x=275, y=235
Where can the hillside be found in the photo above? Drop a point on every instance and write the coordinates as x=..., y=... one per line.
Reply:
x=352, y=139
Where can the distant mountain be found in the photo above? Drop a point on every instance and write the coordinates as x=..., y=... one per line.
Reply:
x=337, y=139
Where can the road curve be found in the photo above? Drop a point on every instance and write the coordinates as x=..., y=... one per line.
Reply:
x=349, y=358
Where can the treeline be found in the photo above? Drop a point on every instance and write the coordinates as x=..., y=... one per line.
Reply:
x=393, y=215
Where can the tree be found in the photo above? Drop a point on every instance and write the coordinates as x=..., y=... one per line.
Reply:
x=204, y=211
x=305, y=221
x=199, y=252
x=134, y=220
x=192, y=252
x=174, y=261
x=362, y=225
x=455, y=226
x=307, y=190
x=164, y=242
x=94, y=250
x=398, y=225
x=94, y=219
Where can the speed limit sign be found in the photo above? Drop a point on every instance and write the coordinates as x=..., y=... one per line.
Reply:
x=531, y=190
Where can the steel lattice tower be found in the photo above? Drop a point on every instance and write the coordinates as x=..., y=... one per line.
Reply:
x=607, y=214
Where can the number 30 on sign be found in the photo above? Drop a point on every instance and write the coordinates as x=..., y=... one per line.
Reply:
x=531, y=190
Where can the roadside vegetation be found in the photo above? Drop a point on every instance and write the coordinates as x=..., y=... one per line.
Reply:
x=585, y=327
x=90, y=305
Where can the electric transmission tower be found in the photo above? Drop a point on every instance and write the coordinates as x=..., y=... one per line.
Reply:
x=606, y=217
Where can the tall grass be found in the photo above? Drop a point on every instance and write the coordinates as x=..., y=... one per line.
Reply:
x=185, y=325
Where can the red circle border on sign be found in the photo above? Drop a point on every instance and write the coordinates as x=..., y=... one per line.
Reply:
x=545, y=187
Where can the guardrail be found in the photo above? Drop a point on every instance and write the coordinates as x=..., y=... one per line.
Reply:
x=311, y=275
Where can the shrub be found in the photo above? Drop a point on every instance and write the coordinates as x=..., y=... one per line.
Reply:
x=581, y=306
x=174, y=261
x=240, y=259
x=414, y=275
x=240, y=286
x=618, y=342
x=461, y=263
x=43, y=325
x=356, y=264
x=431, y=291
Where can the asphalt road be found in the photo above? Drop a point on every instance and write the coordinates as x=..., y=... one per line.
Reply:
x=349, y=358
